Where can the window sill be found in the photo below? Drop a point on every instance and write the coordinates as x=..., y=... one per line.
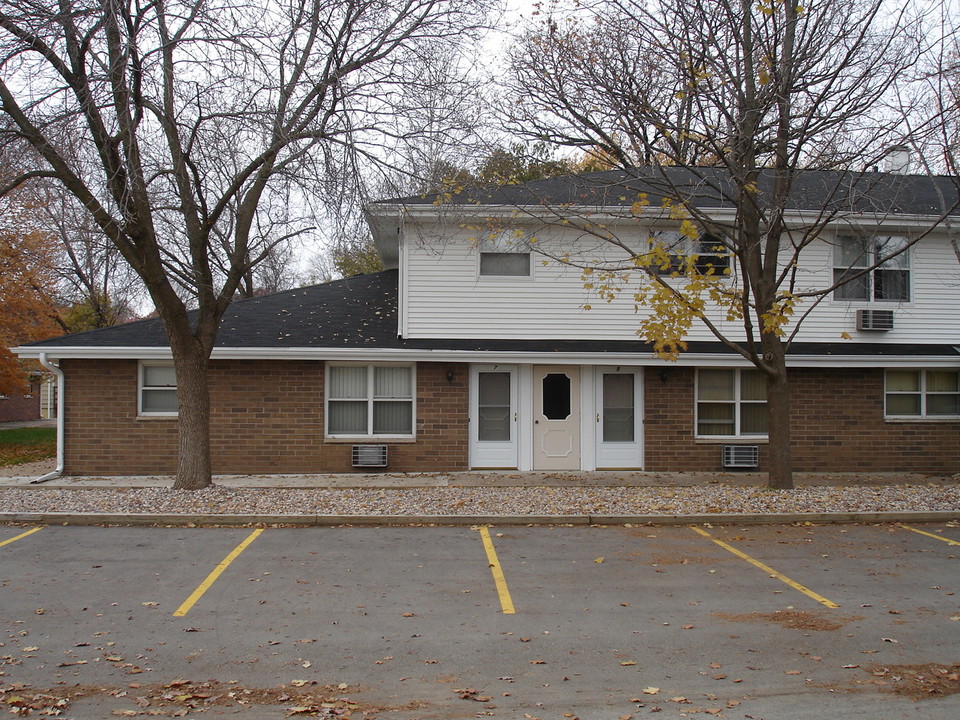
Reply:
x=908, y=420
x=732, y=440
x=371, y=439
x=150, y=418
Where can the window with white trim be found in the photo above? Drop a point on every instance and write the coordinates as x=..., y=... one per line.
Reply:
x=731, y=403
x=922, y=393
x=505, y=254
x=888, y=281
x=370, y=400
x=158, y=389
x=671, y=250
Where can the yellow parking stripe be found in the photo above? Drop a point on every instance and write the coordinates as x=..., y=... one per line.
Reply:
x=31, y=531
x=212, y=577
x=506, y=603
x=935, y=537
x=767, y=569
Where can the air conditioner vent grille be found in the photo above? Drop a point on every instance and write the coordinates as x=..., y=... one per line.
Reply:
x=872, y=319
x=369, y=455
x=741, y=456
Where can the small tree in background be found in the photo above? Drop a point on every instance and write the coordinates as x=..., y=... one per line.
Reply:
x=28, y=278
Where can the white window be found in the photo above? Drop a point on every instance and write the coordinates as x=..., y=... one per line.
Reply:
x=888, y=281
x=731, y=403
x=505, y=254
x=671, y=251
x=922, y=393
x=158, y=389
x=370, y=400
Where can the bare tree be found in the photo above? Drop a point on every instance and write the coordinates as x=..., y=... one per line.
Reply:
x=733, y=103
x=96, y=288
x=194, y=116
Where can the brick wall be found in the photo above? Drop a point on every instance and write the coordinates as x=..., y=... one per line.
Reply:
x=837, y=422
x=266, y=417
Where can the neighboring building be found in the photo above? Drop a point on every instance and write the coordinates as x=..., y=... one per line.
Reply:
x=21, y=406
x=470, y=351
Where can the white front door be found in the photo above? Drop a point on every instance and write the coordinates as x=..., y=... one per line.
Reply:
x=619, y=399
x=493, y=416
x=556, y=417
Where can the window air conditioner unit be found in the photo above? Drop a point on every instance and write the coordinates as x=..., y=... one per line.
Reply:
x=369, y=455
x=870, y=319
x=741, y=456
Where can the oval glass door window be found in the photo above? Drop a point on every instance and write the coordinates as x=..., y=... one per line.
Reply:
x=556, y=396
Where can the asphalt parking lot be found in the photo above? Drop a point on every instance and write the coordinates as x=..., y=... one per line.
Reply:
x=763, y=622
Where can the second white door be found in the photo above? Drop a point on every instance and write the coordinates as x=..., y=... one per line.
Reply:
x=556, y=417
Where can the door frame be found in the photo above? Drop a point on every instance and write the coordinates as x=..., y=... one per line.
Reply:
x=618, y=455
x=495, y=455
x=591, y=406
x=574, y=460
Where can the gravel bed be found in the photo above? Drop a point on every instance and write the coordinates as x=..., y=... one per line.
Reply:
x=714, y=498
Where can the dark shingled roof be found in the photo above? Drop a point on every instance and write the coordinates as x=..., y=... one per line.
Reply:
x=357, y=312
x=361, y=312
x=709, y=188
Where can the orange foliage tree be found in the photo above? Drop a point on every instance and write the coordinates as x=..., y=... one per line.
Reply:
x=28, y=279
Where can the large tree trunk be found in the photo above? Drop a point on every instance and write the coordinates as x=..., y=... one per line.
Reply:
x=193, y=400
x=779, y=447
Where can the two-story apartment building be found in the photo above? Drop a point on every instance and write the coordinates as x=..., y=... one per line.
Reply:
x=477, y=348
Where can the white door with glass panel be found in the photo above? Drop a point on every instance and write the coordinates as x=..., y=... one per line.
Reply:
x=619, y=418
x=556, y=418
x=493, y=416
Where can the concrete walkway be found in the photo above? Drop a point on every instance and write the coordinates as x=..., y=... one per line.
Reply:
x=27, y=423
x=482, y=478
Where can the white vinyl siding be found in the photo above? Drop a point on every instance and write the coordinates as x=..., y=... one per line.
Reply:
x=443, y=297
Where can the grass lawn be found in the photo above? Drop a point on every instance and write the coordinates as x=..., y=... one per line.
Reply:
x=20, y=445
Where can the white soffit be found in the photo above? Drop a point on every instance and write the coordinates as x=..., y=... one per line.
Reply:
x=512, y=357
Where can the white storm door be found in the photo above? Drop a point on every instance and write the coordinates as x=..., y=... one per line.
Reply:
x=556, y=417
x=619, y=417
x=493, y=416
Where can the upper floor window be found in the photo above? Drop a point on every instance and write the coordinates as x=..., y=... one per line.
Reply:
x=505, y=254
x=713, y=256
x=731, y=403
x=370, y=400
x=671, y=251
x=888, y=281
x=922, y=393
x=158, y=389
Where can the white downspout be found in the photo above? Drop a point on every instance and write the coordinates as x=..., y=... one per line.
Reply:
x=60, y=380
